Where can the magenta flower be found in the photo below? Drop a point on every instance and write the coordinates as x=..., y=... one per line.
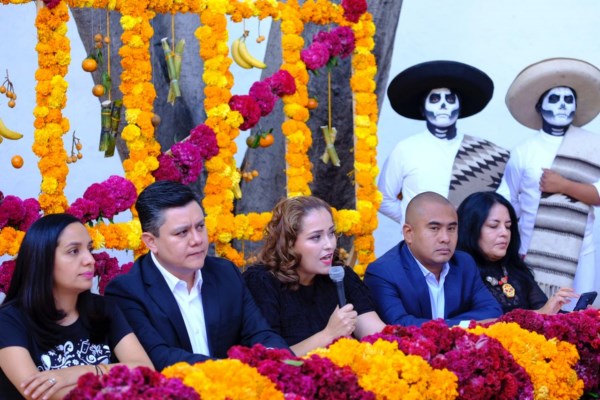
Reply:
x=581, y=328
x=122, y=383
x=344, y=36
x=7, y=268
x=485, y=369
x=12, y=211
x=249, y=109
x=315, y=56
x=103, y=196
x=282, y=83
x=203, y=137
x=264, y=96
x=123, y=192
x=187, y=158
x=32, y=213
x=84, y=209
x=167, y=169
x=353, y=9
x=312, y=378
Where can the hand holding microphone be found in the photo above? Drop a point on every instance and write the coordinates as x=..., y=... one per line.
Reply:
x=343, y=320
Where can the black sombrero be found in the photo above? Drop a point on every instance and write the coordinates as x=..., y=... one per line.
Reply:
x=409, y=88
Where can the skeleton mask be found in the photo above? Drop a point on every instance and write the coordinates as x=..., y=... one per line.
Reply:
x=442, y=107
x=558, y=106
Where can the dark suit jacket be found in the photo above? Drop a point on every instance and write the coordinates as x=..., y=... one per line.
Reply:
x=230, y=314
x=401, y=294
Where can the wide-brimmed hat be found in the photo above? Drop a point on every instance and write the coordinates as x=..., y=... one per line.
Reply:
x=535, y=80
x=408, y=89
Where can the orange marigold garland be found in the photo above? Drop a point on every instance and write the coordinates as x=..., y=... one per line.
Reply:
x=54, y=57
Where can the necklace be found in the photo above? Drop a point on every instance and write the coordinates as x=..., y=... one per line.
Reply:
x=507, y=288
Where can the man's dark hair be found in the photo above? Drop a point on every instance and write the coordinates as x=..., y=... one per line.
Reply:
x=159, y=197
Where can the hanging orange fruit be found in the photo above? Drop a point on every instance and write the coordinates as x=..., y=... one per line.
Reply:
x=17, y=161
x=266, y=139
x=98, y=90
x=89, y=65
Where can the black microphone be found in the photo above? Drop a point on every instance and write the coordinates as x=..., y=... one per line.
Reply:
x=337, y=276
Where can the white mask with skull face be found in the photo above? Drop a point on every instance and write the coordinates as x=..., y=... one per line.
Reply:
x=442, y=107
x=558, y=106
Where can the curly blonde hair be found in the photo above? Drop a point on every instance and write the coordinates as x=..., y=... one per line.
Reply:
x=280, y=236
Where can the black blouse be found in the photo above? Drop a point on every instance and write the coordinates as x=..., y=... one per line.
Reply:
x=299, y=314
x=528, y=294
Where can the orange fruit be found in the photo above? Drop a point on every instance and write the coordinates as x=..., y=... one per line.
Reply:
x=79, y=146
x=79, y=156
x=12, y=104
x=107, y=40
x=89, y=65
x=17, y=161
x=98, y=37
x=2, y=89
x=98, y=90
x=312, y=104
x=266, y=140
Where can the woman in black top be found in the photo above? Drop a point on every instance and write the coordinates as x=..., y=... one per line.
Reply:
x=53, y=329
x=291, y=283
x=488, y=231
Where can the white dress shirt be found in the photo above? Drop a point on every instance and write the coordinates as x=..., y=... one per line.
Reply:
x=436, y=290
x=190, y=305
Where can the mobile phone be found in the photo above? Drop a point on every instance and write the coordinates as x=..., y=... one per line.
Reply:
x=585, y=300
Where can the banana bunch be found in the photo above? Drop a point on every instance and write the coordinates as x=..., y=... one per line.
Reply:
x=6, y=133
x=242, y=57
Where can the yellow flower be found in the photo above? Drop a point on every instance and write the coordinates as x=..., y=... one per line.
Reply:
x=224, y=379
x=549, y=363
x=386, y=371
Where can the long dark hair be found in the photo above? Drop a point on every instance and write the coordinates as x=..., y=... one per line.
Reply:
x=472, y=213
x=33, y=280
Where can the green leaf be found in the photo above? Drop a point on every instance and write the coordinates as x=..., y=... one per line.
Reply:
x=295, y=363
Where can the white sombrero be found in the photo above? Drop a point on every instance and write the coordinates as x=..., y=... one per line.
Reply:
x=536, y=79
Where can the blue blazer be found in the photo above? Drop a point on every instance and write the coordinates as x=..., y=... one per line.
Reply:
x=230, y=314
x=401, y=294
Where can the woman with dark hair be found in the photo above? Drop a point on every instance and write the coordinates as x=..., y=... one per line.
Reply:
x=53, y=328
x=291, y=283
x=488, y=231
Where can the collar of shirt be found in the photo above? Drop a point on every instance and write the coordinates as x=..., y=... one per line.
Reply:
x=172, y=280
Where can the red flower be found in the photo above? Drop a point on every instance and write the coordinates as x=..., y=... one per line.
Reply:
x=353, y=9
x=249, y=109
x=7, y=268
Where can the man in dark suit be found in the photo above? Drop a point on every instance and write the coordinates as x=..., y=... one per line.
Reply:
x=182, y=304
x=422, y=278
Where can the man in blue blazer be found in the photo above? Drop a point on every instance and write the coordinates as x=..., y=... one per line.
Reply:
x=182, y=304
x=423, y=278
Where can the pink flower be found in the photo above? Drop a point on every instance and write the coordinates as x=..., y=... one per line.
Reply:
x=123, y=192
x=263, y=95
x=187, y=159
x=106, y=268
x=329, y=39
x=353, y=9
x=32, y=213
x=315, y=56
x=203, y=137
x=282, y=83
x=249, y=109
x=84, y=209
x=344, y=36
x=312, y=378
x=122, y=383
x=103, y=196
x=485, y=369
